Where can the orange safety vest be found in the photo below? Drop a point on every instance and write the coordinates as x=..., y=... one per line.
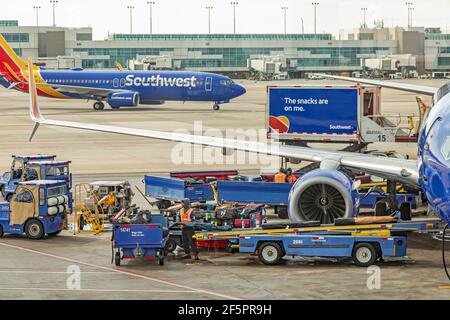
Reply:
x=279, y=177
x=185, y=216
x=291, y=178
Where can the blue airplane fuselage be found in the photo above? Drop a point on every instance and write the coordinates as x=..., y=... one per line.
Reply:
x=151, y=87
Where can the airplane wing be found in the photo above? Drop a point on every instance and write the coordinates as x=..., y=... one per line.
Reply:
x=430, y=91
x=92, y=91
x=396, y=169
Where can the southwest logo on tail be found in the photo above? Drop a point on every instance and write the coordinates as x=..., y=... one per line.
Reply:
x=118, y=88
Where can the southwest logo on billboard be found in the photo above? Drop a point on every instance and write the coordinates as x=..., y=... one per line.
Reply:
x=280, y=124
x=158, y=81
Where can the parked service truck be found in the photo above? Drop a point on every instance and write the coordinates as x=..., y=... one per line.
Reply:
x=37, y=208
x=35, y=167
x=345, y=114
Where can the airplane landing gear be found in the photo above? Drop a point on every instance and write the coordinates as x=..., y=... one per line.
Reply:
x=99, y=106
x=216, y=107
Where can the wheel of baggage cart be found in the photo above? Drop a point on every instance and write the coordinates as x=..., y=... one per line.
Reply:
x=160, y=258
x=1, y=231
x=405, y=211
x=34, y=229
x=117, y=258
x=270, y=253
x=229, y=248
x=381, y=208
x=171, y=245
x=364, y=254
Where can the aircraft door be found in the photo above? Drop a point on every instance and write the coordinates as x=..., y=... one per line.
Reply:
x=116, y=83
x=122, y=82
x=208, y=84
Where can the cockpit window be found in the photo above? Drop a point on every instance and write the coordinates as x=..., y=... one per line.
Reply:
x=443, y=91
x=226, y=82
x=445, y=149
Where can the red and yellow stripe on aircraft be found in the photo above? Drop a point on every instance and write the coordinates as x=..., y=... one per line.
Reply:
x=14, y=69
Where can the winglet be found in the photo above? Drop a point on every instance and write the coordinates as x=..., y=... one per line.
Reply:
x=35, y=112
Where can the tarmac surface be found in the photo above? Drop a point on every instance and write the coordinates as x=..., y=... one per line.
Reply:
x=47, y=269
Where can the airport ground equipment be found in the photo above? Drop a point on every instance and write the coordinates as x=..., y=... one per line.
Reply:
x=322, y=240
x=364, y=251
x=174, y=189
x=37, y=208
x=33, y=167
x=147, y=241
x=338, y=114
x=208, y=175
x=196, y=186
x=113, y=195
x=88, y=214
x=175, y=236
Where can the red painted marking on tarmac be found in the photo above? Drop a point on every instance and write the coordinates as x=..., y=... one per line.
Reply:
x=138, y=275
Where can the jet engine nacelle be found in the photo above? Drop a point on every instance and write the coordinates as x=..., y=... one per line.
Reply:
x=323, y=195
x=123, y=99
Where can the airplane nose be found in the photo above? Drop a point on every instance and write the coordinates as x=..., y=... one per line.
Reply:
x=240, y=90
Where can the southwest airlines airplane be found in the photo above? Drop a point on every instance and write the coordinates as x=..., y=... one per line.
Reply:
x=326, y=193
x=118, y=88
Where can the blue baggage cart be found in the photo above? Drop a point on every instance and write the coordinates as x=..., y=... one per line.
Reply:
x=147, y=241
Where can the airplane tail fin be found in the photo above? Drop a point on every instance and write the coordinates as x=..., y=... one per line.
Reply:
x=35, y=112
x=11, y=65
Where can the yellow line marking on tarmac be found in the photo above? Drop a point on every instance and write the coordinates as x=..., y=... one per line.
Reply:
x=137, y=275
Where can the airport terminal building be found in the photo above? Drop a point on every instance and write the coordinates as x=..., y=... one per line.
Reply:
x=230, y=53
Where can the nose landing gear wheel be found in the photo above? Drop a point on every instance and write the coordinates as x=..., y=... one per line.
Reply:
x=216, y=107
x=99, y=106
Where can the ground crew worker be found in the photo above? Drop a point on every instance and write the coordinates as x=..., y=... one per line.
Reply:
x=185, y=211
x=187, y=232
x=280, y=177
x=291, y=178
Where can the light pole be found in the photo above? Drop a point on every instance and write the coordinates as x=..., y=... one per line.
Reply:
x=151, y=3
x=409, y=7
x=303, y=26
x=284, y=16
x=209, y=8
x=234, y=4
x=54, y=2
x=37, y=8
x=131, y=8
x=315, y=4
x=364, y=10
